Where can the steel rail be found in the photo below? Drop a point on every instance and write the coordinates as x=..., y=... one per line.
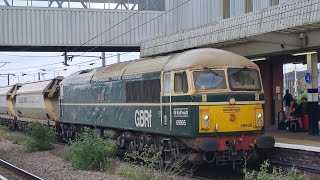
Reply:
x=3, y=178
x=298, y=166
x=200, y=178
x=18, y=170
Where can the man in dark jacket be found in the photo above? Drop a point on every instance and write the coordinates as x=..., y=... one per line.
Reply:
x=287, y=98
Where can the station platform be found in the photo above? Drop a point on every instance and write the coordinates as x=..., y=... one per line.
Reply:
x=294, y=140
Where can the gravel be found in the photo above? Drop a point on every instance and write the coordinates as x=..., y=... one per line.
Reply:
x=47, y=164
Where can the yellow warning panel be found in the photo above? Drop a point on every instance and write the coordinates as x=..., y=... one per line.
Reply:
x=230, y=118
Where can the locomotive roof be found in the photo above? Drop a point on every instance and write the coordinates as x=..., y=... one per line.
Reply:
x=5, y=90
x=197, y=58
x=207, y=57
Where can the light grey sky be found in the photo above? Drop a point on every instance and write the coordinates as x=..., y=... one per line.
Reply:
x=30, y=63
x=291, y=67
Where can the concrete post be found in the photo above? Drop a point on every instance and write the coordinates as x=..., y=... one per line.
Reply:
x=313, y=109
x=118, y=57
x=103, y=57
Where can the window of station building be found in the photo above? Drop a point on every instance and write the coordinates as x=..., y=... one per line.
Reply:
x=180, y=82
x=273, y=2
x=167, y=82
x=248, y=6
x=143, y=91
x=226, y=9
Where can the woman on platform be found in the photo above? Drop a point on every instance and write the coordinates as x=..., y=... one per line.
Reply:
x=292, y=117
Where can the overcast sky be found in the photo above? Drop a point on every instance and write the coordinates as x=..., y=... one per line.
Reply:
x=49, y=64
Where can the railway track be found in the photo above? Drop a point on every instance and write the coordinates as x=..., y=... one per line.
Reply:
x=306, y=161
x=14, y=172
x=303, y=167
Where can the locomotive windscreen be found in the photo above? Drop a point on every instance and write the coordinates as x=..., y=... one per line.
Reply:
x=212, y=79
x=244, y=79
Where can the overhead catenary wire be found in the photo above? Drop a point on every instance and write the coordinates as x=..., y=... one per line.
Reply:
x=151, y=46
x=92, y=60
x=94, y=38
x=71, y=65
x=165, y=13
x=43, y=64
x=39, y=66
x=149, y=4
x=32, y=67
x=109, y=40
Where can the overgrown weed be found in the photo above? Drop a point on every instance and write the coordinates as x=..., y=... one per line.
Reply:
x=276, y=174
x=147, y=166
x=90, y=152
x=41, y=137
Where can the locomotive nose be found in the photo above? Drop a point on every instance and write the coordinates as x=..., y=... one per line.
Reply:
x=231, y=118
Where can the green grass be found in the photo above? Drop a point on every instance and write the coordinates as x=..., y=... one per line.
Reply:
x=135, y=172
x=3, y=132
x=91, y=153
x=41, y=137
x=16, y=138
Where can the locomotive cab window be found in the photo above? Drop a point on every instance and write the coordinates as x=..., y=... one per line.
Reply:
x=209, y=79
x=180, y=82
x=167, y=82
x=244, y=79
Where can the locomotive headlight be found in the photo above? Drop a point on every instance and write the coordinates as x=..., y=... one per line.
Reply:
x=259, y=116
x=259, y=121
x=205, y=123
x=206, y=117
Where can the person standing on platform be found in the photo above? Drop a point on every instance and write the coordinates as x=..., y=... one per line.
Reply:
x=287, y=98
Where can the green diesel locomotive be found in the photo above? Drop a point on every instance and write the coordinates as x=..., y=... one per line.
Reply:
x=206, y=103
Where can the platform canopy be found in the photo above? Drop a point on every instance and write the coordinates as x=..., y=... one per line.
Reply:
x=289, y=27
